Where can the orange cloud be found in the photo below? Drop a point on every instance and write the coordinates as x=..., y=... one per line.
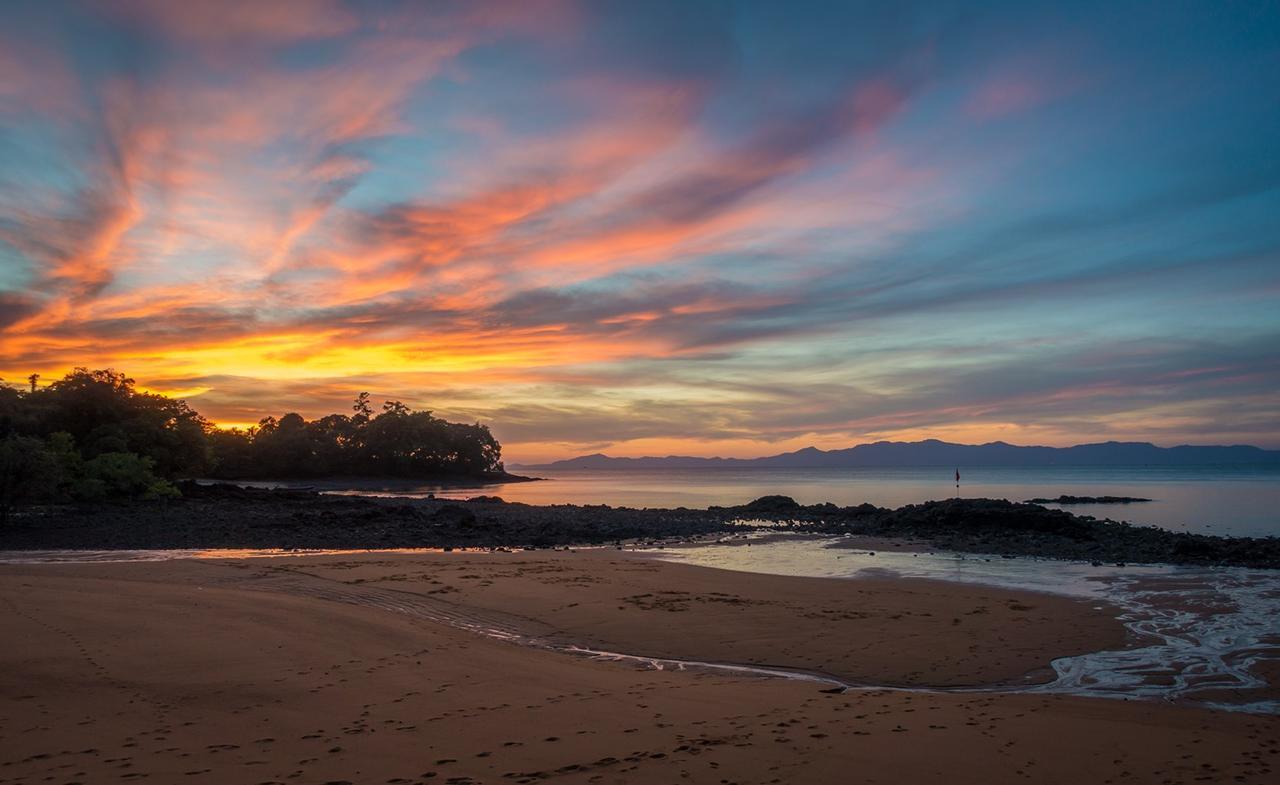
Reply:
x=487, y=207
x=205, y=22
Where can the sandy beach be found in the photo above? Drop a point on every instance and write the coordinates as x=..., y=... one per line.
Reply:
x=323, y=670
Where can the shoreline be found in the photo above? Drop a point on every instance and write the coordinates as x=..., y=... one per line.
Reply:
x=224, y=516
x=702, y=611
x=1137, y=598
x=358, y=485
x=638, y=608
x=369, y=668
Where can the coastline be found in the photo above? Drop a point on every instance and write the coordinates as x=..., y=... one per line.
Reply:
x=266, y=669
x=361, y=485
x=908, y=633
x=227, y=516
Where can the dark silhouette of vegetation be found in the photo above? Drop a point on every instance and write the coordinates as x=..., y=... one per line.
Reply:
x=398, y=442
x=93, y=435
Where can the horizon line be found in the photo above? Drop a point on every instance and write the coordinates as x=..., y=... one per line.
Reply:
x=887, y=441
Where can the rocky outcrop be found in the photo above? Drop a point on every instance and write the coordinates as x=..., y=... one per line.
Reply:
x=227, y=516
x=1090, y=500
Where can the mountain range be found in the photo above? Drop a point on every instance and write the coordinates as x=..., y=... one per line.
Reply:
x=932, y=452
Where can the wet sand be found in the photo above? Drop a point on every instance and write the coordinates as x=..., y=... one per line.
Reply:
x=243, y=671
x=887, y=632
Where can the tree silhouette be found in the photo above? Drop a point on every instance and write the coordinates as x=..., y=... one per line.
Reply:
x=398, y=442
x=362, y=407
x=93, y=435
x=395, y=408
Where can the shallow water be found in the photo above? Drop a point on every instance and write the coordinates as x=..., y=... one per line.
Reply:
x=1228, y=500
x=1197, y=631
x=171, y=554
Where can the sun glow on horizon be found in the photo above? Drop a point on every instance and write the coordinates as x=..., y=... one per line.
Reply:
x=695, y=229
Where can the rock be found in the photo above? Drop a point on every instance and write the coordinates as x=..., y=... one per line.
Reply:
x=771, y=504
x=1090, y=500
x=454, y=515
x=232, y=517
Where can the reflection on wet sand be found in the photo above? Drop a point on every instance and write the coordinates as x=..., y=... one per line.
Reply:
x=1200, y=634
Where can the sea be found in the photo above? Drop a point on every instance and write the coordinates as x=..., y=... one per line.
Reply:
x=1239, y=501
x=1199, y=634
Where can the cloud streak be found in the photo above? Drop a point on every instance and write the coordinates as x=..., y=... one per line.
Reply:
x=711, y=229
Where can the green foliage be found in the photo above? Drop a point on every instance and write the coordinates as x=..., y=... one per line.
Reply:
x=103, y=413
x=114, y=475
x=92, y=436
x=35, y=471
x=66, y=459
x=29, y=471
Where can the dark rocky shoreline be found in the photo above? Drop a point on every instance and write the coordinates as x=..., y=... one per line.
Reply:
x=1090, y=500
x=1003, y=528
x=227, y=516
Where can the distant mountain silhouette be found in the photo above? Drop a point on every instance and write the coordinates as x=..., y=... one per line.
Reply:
x=932, y=452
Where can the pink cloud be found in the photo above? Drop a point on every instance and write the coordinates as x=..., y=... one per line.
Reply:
x=1004, y=95
x=209, y=22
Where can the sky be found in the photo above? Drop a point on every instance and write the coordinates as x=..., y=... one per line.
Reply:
x=706, y=228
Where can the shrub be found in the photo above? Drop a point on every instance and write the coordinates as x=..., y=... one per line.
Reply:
x=121, y=475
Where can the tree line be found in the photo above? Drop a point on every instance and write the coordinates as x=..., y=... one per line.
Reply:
x=92, y=435
x=395, y=442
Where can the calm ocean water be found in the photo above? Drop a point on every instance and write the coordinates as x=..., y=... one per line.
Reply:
x=1230, y=500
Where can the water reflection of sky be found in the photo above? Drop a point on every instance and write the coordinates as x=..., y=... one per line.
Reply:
x=1197, y=632
x=1237, y=501
x=809, y=557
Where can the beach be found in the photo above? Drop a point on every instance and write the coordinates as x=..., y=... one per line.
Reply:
x=724, y=393
x=459, y=667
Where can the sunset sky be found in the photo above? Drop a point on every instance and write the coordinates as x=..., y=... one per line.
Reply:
x=648, y=228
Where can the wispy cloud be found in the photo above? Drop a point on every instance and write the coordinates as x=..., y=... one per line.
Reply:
x=725, y=228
